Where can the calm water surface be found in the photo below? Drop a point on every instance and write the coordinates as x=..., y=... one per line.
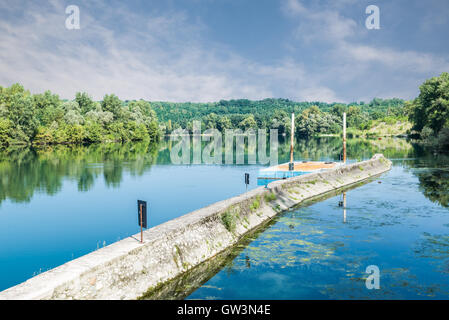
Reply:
x=61, y=203
x=316, y=252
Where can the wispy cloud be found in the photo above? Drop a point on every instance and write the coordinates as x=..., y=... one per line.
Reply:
x=167, y=55
x=348, y=55
x=151, y=56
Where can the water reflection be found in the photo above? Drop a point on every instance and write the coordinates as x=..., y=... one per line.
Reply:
x=310, y=253
x=435, y=185
x=25, y=171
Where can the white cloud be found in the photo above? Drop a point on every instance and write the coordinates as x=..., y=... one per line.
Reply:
x=348, y=59
x=161, y=61
x=409, y=60
x=156, y=57
x=159, y=57
x=322, y=94
x=165, y=56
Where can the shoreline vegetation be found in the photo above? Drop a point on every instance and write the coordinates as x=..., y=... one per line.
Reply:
x=45, y=119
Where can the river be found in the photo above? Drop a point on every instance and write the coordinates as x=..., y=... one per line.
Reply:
x=59, y=203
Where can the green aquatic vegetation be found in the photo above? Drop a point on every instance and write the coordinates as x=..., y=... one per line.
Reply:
x=256, y=204
x=185, y=265
x=229, y=219
x=175, y=259
x=177, y=254
x=292, y=190
x=361, y=168
x=178, y=251
x=433, y=246
x=269, y=197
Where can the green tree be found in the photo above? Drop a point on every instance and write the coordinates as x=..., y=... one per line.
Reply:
x=307, y=123
x=93, y=132
x=112, y=104
x=338, y=110
x=23, y=115
x=5, y=127
x=48, y=108
x=356, y=118
x=85, y=102
x=211, y=121
x=431, y=108
x=224, y=123
x=281, y=121
x=75, y=133
x=44, y=135
x=248, y=123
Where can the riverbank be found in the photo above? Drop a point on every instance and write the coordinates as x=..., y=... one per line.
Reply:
x=128, y=269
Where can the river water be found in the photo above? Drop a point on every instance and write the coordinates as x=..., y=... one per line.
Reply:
x=60, y=203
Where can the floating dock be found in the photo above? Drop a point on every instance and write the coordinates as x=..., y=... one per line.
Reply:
x=295, y=168
x=282, y=171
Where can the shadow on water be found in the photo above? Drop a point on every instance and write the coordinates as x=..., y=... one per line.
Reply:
x=185, y=284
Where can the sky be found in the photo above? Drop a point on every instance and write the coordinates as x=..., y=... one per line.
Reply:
x=208, y=50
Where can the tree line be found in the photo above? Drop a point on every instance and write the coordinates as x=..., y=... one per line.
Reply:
x=311, y=117
x=27, y=118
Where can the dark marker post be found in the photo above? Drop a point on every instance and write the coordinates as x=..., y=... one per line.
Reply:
x=246, y=181
x=142, y=216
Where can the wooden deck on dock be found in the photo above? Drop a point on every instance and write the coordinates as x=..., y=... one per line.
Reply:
x=306, y=166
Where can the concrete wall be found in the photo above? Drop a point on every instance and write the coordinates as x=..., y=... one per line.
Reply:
x=128, y=269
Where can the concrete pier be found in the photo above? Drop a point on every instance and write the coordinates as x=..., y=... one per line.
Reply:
x=128, y=269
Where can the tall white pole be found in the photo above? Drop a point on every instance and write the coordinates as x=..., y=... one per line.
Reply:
x=291, y=137
x=344, y=137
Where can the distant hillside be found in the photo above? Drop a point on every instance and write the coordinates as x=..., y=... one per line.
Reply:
x=261, y=114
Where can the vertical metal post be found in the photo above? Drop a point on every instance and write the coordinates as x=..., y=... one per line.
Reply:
x=292, y=134
x=344, y=207
x=344, y=137
x=141, y=223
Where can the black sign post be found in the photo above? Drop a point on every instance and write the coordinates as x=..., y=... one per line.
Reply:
x=247, y=180
x=142, y=216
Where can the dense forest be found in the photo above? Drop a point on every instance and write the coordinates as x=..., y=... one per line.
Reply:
x=311, y=117
x=46, y=119
x=429, y=112
x=27, y=118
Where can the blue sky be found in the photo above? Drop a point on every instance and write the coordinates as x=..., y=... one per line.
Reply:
x=207, y=50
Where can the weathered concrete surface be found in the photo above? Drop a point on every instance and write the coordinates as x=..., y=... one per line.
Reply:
x=128, y=269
